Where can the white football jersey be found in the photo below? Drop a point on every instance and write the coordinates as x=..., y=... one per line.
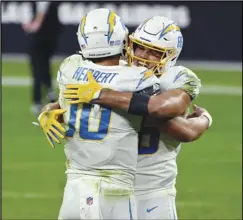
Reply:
x=102, y=141
x=157, y=166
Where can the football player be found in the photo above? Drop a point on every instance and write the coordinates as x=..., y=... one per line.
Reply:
x=101, y=147
x=156, y=44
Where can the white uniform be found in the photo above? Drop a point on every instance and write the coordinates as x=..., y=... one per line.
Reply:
x=157, y=168
x=101, y=150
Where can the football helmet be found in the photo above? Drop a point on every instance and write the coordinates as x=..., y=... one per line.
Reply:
x=160, y=34
x=102, y=33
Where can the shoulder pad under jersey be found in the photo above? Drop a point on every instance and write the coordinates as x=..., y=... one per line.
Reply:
x=147, y=79
x=179, y=77
x=68, y=66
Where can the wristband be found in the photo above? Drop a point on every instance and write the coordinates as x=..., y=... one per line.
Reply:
x=139, y=104
x=209, y=117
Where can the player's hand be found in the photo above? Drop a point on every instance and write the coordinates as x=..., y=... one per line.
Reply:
x=51, y=127
x=83, y=93
x=198, y=112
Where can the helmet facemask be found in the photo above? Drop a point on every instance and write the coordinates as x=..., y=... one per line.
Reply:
x=160, y=66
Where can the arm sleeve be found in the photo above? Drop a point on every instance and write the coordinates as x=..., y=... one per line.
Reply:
x=62, y=71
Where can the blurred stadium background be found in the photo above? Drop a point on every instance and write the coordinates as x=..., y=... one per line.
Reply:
x=209, y=183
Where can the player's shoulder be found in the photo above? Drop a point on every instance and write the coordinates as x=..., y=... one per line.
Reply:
x=69, y=65
x=73, y=60
x=136, y=78
x=132, y=68
x=181, y=70
x=180, y=74
x=135, y=72
x=145, y=78
x=187, y=76
x=180, y=77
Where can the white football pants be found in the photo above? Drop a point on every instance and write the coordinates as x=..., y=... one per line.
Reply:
x=95, y=198
x=156, y=204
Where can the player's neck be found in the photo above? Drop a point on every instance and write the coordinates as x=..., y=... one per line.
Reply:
x=109, y=62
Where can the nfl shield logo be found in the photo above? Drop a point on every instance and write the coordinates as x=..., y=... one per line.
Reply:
x=89, y=201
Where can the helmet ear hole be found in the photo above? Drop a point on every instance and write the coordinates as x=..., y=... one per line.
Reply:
x=124, y=53
x=125, y=47
x=173, y=59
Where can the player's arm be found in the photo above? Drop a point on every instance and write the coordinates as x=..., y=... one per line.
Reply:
x=51, y=126
x=51, y=117
x=187, y=129
x=50, y=120
x=165, y=105
x=52, y=106
x=174, y=102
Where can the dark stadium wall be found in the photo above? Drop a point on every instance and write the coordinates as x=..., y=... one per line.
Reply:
x=211, y=30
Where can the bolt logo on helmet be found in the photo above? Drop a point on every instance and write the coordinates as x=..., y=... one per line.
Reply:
x=158, y=34
x=111, y=22
x=168, y=28
x=82, y=28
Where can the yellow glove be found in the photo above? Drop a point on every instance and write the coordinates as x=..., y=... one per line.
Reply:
x=83, y=93
x=52, y=128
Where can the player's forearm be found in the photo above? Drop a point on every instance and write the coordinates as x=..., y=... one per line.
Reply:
x=169, y=104
x=114, y=99
x=185, y=130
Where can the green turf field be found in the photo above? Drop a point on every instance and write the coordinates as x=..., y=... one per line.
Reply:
x=209, y=180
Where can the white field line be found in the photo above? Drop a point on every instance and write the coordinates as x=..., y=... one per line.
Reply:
x=197, y=64
x=206, y=89
x=34, y=195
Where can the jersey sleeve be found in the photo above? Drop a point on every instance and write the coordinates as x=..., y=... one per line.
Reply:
x=64, y=75
x=60, y=72
x=148, y=83
x=186, y=80
x=68, y=65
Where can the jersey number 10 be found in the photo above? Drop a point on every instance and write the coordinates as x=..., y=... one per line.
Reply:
x=148, y=136
x=84, y=131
